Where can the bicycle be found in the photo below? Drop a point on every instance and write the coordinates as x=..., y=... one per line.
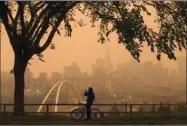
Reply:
x=80, y=113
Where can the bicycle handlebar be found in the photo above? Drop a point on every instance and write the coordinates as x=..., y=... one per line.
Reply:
x=80, y=103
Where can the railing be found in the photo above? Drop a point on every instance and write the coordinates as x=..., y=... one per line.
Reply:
x=126, y=109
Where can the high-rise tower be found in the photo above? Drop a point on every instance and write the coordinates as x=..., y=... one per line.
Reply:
x=109, y=68
x=109, y=65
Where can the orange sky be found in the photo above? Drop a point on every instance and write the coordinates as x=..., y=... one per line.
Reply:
x=83, y=48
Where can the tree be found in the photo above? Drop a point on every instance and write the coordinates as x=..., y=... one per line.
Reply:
x=25, y=28
x=27, y=22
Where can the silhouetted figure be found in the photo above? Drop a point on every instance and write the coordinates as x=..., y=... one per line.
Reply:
x=90, y=98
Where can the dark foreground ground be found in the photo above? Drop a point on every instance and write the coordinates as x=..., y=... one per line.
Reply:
x=59, y=120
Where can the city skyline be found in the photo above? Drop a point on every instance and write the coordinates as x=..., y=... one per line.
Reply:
x=61, y=70
x=104, y=65
x=128, y=75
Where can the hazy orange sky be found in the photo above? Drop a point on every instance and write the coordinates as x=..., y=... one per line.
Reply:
x=83, y=48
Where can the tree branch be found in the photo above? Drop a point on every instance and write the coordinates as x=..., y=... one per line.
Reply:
x=33, y=11
x=116, y=3
x=10, y=15
x=38, y=3
x=36, y=32
x=155, y=4
x=41, y=6
x=22, y=17
x=32, y=29
x=14, y=27
x=53, y=31
x=16, y=18
x=4, y=17
x=43, y=29
x=48, y=41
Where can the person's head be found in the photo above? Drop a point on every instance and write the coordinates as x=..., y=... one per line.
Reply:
x=90, y=89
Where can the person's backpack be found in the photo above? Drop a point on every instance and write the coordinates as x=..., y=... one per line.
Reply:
x=93, y=96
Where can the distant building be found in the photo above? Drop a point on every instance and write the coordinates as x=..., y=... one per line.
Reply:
x=93, y=70
x=109, y=65
x=120, y=65
x=181, y=64
x=55, y=77
x=99, y=69
x=42, y=82
x=7, y=84
x=134, y=67
x=161, y=72
x=121, y=73
x=148, y=71
x=173, y=73
x=100, y=63
x=99, y=74
x=28, y=79
x=72, y=72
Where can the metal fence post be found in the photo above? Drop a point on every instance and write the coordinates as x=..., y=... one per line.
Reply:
x=153, y=108
x=130, y=111
x=168, y=106
x=140, y=110
x=4, y=109
x=125, y=108
x=47, y=109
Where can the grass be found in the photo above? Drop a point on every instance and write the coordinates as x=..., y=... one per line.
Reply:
x=64, y=120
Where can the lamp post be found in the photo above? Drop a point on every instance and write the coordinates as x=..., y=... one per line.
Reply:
x=114, y=98
x=123, y=108
x=33, y=86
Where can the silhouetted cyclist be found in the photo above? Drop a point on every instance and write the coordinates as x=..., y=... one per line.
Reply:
x=90, y=98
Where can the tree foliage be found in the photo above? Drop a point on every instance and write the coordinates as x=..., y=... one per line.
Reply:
x=27, y=22
x=34, y=19
x=128, y=22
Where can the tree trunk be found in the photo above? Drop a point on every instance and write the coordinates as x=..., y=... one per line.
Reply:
x=19, y=70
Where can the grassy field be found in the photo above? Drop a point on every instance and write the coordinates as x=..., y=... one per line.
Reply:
x=62, y=120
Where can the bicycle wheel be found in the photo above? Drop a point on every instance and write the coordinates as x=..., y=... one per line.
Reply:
x=76, y=114
x=95, y=114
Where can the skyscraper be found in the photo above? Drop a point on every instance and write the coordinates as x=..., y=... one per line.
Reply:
x=181, y=64
x=28, y=78
x=43, y=81
x=72, y=72
x=109, y=65
x=55, y=77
